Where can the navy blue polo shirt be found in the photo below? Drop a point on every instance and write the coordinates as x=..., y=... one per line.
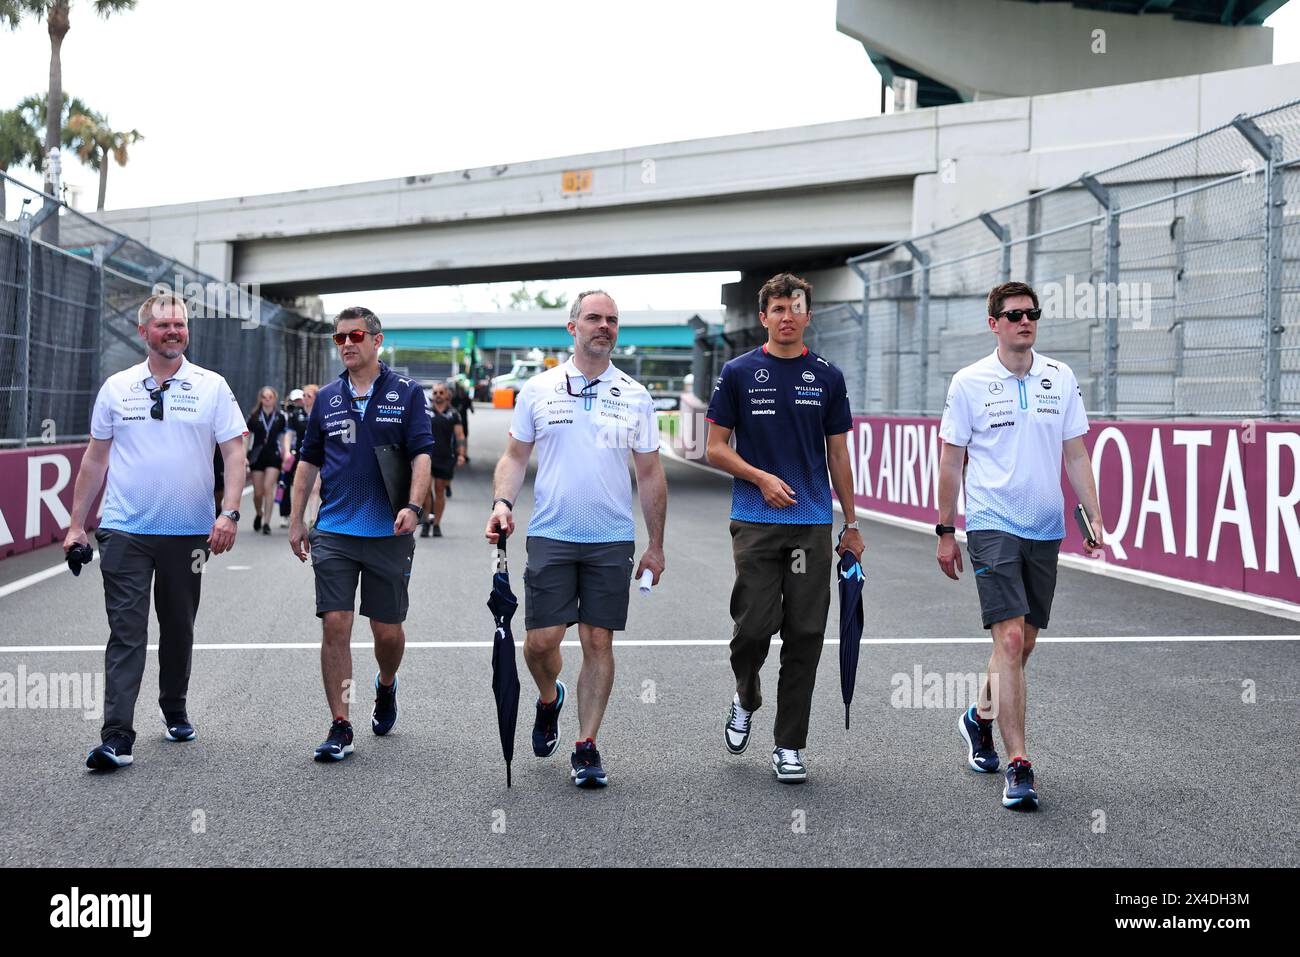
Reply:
x=781, y=411
x=341, y=442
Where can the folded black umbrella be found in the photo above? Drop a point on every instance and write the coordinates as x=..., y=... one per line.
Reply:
x=505, y=675
x=851, y=582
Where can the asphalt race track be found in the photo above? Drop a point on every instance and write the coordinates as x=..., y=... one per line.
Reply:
x=1149, y=752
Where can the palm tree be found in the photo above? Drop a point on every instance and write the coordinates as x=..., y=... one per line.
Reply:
x=94, y=140
x=19, y=146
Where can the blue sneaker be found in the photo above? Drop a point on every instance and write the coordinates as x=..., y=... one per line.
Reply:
x=339, y=744
x=385, y=713
x=114, y=753
x=587, y=772
x=179, y=727
x=546, y=726
x=981, y=754
x=1019, y=790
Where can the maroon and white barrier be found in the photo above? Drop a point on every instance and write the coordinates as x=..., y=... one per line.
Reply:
x=36, y=496
x=1215, y=503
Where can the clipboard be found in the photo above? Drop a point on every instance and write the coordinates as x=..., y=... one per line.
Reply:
x=395, y=468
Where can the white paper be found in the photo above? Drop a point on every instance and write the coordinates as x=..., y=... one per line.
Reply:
x=644, y=581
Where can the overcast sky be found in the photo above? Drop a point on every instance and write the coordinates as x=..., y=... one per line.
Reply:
x=253, y=96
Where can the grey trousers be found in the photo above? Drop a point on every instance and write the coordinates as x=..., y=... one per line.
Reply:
x=130, y=564
x=783, y=583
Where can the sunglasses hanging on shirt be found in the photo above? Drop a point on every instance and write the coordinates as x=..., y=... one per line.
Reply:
x=157, y=395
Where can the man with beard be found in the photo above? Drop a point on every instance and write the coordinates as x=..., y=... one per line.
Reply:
x=153, y=433
x=584, y=416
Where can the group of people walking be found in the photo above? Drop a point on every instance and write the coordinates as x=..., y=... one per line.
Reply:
x=779, y=423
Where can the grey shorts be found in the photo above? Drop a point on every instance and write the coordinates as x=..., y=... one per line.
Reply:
x=1014, y=576
x=568, y=582
x=383, y=565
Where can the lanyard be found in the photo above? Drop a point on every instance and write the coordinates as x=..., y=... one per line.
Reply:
x=266, y=423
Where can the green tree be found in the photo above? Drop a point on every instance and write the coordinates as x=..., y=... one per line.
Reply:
x=523, y=298
x=20, y=145
x=94, y=140
x=57, y=15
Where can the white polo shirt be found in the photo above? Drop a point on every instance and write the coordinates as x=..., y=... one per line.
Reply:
x=583, y=490
x=160, y=479
x=1013, y=430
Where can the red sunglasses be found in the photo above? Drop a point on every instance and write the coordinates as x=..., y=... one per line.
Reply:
x=355, y=336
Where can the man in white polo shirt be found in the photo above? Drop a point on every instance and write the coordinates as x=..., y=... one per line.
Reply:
x=1007, y=422
x=153, y=432
x=585, y=417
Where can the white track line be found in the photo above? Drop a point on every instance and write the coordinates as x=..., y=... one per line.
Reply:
x=672, y=643
x=33, y=579
x=1224, y=596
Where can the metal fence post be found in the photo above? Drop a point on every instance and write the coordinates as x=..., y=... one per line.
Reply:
x=1004, y=237
x=923, y=321
x=1270, y=148
x=25, y=336
x=98, y=333
x=1110, y=355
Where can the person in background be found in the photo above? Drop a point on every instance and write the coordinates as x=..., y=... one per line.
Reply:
x=295, y=413
x=463, y=403
x=448, y=452
x=268, y=435
x=313, y=500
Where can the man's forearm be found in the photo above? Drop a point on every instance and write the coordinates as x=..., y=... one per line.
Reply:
x=304, y=477
x=421, y=477
x=721, y=455
x=1078, y=469
x=90, y=479
x=508, y=478
x=949, y=483
x=653, y=492
x=232, y=461
x=842, y=482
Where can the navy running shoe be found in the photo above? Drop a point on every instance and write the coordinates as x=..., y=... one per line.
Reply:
x=114, y=753
x=585, y=761
x=1019, y=790
x=546, y=726
x=339, y=744
x=385, y=713
x=981, y=753
x=179, y=727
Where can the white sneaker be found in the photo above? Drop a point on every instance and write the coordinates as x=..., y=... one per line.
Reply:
x=736, y=731
x=787, y=766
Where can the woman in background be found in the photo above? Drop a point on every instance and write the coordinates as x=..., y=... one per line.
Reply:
x=268, y=433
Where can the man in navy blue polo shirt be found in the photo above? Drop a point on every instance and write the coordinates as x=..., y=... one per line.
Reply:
x=356, y=532
x=789, y=411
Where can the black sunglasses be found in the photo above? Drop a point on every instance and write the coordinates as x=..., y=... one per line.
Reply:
x=586, y=392
x=157, y=395
x=1015, y=315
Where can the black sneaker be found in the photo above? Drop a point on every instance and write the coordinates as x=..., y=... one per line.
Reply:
x=449, y=491
x=266, y=529
x=424, y=529
x=257, y=523
x=788, y=766
x=736, y=731
x=585, y=763
x=546, y=726
x=339, y=744
x=385, y=714
x=114, y=753
x=1019, y=790
x=179, y=727
x=437, y=530
x=981, y=753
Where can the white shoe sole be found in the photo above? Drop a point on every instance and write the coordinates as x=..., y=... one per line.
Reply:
x=970, y=747
x=789, y=777
x=171, y=737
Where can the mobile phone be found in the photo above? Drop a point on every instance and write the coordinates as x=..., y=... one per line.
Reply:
x=1085, y=527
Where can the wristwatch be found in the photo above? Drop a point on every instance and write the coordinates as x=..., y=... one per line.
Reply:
x=232, y=514
x=942, y=530
x=419, y=512
x=509, y=504
x=852, y=525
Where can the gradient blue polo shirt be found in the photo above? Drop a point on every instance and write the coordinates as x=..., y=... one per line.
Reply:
x=781, y=411
x=341, y=439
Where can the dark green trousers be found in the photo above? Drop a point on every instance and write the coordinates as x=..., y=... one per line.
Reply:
x=783, y=579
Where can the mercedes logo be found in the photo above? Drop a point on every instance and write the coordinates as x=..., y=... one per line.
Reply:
x=995, y=388
x=760, y=375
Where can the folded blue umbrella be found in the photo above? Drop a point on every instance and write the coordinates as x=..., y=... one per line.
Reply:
x=505, y=674
x=851, y=582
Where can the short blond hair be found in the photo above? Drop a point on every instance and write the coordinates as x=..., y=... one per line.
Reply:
x=150, y=307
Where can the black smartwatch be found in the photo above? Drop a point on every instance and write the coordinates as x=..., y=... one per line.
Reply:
x=419, y=512
x=509, y=504
x=942, y=530
x=232, y=514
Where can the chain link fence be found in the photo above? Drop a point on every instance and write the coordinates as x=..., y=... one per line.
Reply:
x=1170, y=284
x=69, y=297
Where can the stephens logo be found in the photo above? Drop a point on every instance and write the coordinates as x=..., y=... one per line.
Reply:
x=761, y=375
x=392, y=397
x=809, y=377
x=995, y=387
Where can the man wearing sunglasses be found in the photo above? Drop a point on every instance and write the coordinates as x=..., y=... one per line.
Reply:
x=154, y=432
x=585, y=417
x=1007, y=422
x=366, y=412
